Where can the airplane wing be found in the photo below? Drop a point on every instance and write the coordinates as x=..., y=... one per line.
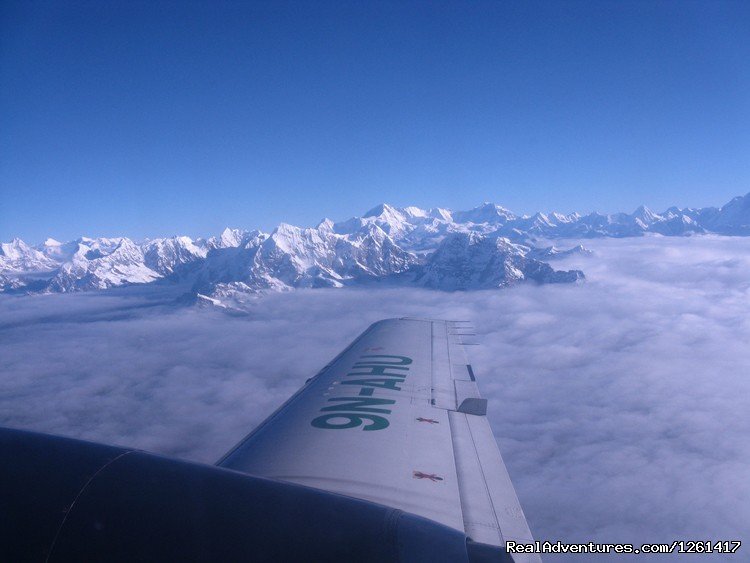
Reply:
x=395, y=419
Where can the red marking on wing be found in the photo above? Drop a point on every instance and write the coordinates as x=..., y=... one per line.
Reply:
x=430, y=420
x=431, y=476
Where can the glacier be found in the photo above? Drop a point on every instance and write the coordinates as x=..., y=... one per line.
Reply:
x=482, y=248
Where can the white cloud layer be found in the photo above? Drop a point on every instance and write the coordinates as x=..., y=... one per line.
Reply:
x=621, y=406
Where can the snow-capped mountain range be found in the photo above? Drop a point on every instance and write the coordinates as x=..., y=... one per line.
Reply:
x=485, y=247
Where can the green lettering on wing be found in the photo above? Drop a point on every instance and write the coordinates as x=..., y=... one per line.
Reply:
x=384, y=382
x=393, y=360
x=353, y=412
x=377, y=370
x=361, y=404
x=329, y=421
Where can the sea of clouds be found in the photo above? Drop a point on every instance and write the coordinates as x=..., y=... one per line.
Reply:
x=621, y=405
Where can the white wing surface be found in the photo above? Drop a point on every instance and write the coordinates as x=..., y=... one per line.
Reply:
x=395, y=419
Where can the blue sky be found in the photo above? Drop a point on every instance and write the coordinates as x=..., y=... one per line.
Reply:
x=153, y=119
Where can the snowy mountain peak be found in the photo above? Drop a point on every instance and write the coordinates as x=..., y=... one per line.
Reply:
x=287, y=230
x=231, y=237
x=732, y=218
x=164, y=255
x=383, y=210
x=413, y=212
x=441, y=214
x=485, y=213
x=474, y=261
x=392, y=220
x=737, y=209
x=14, y=249
x=645, y=214
x=740, y=200
x=17, y=256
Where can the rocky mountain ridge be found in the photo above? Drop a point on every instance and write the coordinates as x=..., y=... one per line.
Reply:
x=485, y=247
